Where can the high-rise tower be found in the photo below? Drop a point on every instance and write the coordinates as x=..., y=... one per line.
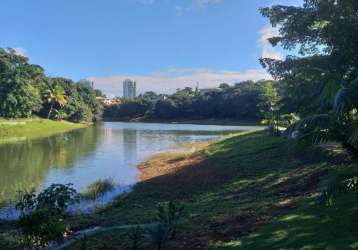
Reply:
x=129, y=89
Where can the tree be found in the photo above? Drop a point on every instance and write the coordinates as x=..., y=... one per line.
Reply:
x=269, y=107
x=324, y=32
x=320, y=80
x=55, y=96
x=19, y=96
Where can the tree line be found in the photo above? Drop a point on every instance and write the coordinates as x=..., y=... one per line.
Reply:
x=26, y=91
x=239, y=101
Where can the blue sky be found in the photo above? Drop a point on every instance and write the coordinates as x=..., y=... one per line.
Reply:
x=163, y=44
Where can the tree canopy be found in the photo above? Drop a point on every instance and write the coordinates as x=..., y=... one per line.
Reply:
x=25, y=91
x=320, y=77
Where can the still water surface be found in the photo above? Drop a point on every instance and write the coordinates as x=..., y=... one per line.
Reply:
x=110, y=150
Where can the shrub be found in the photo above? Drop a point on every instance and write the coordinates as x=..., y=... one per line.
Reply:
x=42, y=216
x=82, y=114
x=345, y=180
x=136, y=236
x=159, y=235
x=169, y=214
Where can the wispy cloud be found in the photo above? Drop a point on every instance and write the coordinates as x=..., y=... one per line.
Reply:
x=196, y=2
x=168, y=81
x=267, y=51
x=184, y=6
x=206, y=2
x=145, y=1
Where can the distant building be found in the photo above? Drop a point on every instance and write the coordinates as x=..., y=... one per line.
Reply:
x=129, y=89
x=109, y=101
x=87, y=83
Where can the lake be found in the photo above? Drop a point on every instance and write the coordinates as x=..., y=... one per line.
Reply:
x=109, y=150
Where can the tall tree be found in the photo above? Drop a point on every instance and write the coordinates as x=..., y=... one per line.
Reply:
x=320, y=79
x=19, y=96
x=55, y=96
x=325, y=33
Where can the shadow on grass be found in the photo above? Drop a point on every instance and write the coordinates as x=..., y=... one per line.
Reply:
x=248, y=191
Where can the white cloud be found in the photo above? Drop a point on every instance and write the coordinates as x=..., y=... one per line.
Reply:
x=20, y=51
x=267, y=51
x=169, y=80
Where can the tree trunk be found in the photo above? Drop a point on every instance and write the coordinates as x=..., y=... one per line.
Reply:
x=49, y=113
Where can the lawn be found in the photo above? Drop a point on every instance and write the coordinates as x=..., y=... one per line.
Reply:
x=15, y=130
x=245, y=191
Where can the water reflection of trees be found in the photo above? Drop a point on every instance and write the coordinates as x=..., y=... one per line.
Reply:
x=24, y=166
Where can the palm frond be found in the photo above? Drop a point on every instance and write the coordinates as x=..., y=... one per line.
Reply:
x=343, y=101
x=314, y=129
x=353, y=137
x=328, y=93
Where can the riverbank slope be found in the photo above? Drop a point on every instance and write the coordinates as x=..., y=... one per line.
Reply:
x=19, y=129
x=247, y=191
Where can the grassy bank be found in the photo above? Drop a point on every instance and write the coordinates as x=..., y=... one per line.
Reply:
x=14, y=130
x=248, y=191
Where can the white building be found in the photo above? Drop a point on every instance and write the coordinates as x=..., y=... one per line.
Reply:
x=129, y=89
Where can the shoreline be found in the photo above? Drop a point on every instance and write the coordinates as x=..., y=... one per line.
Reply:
x=173, y=160
x=223, y=122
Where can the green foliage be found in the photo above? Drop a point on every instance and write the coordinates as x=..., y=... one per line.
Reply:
x=324, y=33
x=98, y=189
x=42, y=216
x=19, y=96
x=26, y=91
x=159, y=235
x=136, y=237
x=338, y=183
x=40, y=227
x=84, y=243
x=269, y=107
x=82, y=114
x=169, y=215
x=321, y=83
x=4, y=244
x=55, y=96
x=340, y=124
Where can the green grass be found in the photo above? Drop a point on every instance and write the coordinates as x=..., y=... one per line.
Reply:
x=98, y=189
x=246, y=191
x=17, y=130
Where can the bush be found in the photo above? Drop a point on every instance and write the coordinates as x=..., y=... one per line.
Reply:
x=82, y=114
x=136, y=237
x=338, y=183
x=42, y=216
x=40, y=227
x=168, y=215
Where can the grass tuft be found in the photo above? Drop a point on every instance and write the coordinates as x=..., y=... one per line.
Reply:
x=97, y=189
